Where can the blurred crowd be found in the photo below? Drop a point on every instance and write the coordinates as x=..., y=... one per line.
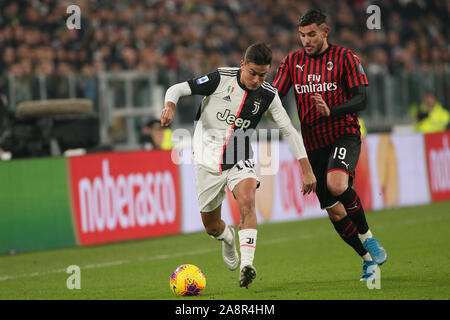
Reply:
x=178, y=39
x=193, y=37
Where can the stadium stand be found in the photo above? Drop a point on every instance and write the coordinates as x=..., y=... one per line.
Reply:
x=178, y=39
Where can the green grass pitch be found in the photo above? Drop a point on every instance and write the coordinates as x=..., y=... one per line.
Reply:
x=295, y=261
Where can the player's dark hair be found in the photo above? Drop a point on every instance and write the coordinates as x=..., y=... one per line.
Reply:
x=312, y=16
x=258, y=53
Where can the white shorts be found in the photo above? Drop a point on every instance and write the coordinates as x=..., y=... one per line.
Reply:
x=211, y=185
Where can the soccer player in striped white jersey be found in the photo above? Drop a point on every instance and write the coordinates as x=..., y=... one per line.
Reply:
x=235, y=100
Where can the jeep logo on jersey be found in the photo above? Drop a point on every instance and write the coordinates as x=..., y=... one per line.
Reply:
x=231, y=119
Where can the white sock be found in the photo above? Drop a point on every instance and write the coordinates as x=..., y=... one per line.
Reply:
x=364, y=236
x=247, y=241
x=226, y=236
x=367, y=257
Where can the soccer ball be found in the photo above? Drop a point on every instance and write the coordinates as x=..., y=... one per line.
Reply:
x=187, y=280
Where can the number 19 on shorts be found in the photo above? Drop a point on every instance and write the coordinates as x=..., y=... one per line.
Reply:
x=340, y=153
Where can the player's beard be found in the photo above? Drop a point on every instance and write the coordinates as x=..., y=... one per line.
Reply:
x=316, y=52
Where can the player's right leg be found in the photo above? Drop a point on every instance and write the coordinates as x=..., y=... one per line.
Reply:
x=217, y=229
x=211, y=192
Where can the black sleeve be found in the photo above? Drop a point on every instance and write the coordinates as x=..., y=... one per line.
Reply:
x=356, y=103
x=205, y=85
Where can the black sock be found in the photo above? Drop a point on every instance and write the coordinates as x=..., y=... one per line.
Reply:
x=354, y=209
x=349, y=233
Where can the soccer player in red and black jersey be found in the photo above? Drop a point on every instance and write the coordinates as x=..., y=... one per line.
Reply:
x=329, y=85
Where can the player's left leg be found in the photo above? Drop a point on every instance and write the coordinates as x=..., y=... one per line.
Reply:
x=244, y=193
x=337, y=183
x=346, y=228
x=342, y=163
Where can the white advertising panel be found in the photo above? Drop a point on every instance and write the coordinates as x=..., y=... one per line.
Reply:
x=398, y=170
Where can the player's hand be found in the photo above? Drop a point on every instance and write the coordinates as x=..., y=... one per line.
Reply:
x=167, y=114
x=321, y=104
x=309, y=182
x=309, y=179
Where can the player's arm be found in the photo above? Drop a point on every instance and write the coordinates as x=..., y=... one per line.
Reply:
x=356, y=80
x=278, y=114
x=204, y=85
x=356, y=103
x=173, y=94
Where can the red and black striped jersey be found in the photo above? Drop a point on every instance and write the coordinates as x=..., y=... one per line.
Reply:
x=331, y=73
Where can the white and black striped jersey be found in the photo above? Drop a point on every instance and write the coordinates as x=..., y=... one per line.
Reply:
x=227, y=115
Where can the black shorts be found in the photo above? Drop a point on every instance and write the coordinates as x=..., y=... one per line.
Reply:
x=343, y=155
